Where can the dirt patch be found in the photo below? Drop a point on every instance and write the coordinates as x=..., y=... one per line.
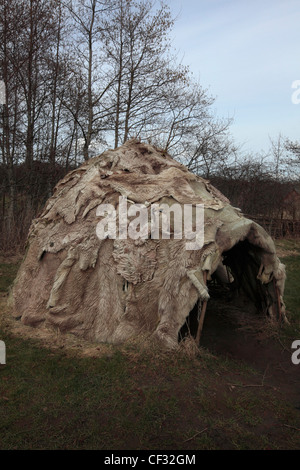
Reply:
x=256, y=344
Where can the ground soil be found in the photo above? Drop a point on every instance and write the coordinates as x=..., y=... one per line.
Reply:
x=255, y=344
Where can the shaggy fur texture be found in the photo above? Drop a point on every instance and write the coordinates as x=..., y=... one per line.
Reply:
x=112, y=290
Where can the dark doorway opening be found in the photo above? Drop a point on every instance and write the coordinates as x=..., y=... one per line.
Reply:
x=231, y=303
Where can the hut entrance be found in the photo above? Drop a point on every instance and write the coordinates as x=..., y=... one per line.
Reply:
x=233, y=302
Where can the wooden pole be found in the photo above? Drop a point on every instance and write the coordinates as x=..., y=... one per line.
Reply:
x=278, y=300
x=203, y=311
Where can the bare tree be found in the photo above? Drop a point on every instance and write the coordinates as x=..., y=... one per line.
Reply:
x=82, y=71
x=27, y=30
x=278, y=153
x=88, y=57
x=35, y=40
x=293, y=149
x=11, y=14
x=136, y=44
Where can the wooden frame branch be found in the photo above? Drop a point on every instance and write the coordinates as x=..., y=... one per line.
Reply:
x=202, y=316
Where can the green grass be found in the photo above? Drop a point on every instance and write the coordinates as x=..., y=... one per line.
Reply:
x=289, y=244
x=7, y=273
x=292, y=288
x=49, y=400
x=125, y=399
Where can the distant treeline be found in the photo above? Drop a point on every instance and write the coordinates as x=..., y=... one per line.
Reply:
x=261, y=199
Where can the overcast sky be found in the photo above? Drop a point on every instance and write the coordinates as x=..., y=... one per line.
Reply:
x=247, y=53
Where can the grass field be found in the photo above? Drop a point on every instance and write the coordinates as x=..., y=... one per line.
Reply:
x=113, y=398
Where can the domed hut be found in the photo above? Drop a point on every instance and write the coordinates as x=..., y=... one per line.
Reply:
x=110, y=259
